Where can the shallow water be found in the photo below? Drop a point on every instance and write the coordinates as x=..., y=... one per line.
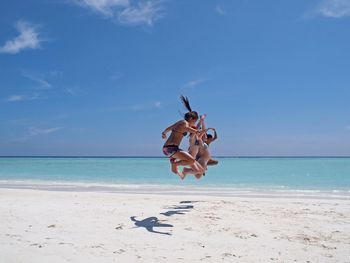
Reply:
x=278, y=174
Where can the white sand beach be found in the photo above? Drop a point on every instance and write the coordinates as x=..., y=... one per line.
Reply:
x=56, y=226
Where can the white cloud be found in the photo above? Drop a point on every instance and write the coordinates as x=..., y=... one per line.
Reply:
x=28, y=38
x=111, y=109
x=43, y=84
x=20, y=139
x=33, y=131
x=220, y=10
x=72, y=91
x=137, y=107
x=55, y=73
x=194, y=83
x=124, y=12
x=149, y=106
x=14, y=98
x=23, y=121
x=18, y=98
x=334, y=8
x=144, y=13
x=104, y=7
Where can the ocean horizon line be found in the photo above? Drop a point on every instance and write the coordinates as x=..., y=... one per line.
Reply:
x=158, y=156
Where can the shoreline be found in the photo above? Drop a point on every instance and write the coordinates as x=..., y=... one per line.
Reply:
x=168, y=189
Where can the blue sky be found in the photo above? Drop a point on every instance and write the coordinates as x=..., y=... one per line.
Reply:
x=103, y=77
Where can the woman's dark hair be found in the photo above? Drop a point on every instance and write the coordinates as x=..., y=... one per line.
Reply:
x=190, y=114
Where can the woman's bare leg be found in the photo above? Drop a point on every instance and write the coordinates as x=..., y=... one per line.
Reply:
x=203, y=162
x=196, y=169
x=197, y=172
x=184, y=159
x=173, y=166
x=193, y=150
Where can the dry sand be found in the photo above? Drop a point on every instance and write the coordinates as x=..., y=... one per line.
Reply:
x=51, y=226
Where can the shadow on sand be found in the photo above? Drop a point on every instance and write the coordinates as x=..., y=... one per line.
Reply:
x=149, y=223
x=174, y=212
x=152, y=222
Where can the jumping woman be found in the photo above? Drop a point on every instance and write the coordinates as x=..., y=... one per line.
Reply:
x=177, y=156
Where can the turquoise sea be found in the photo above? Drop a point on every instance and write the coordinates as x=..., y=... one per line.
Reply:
x=236, y=175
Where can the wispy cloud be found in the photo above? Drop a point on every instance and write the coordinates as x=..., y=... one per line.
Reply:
x=55, y=73
x=34, y=131
x=347, y=127
x=43, y=84
x=145, y=13
x=136, y=107
x=125, y=12
x=158, y=104
x=18, y=98
x=28, y=38
x=113, y=109
x=194, y=83
x=333, y=8
x=22, y=121
x=220, y=10
x=72, y=91
x=147, y=106
x=15, y=98
x=20, y=139
x=103, y=7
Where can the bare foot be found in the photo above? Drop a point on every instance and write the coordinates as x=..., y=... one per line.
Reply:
x=181, y=174
x=198, y=176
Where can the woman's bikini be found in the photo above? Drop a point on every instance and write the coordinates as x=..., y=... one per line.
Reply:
x=171, y=149
x=183, y=133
